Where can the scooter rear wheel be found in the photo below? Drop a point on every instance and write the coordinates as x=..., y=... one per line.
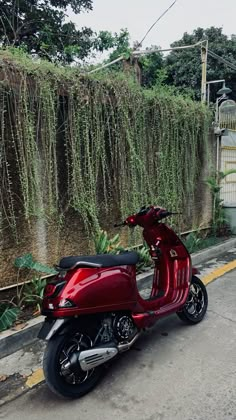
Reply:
x=69, y=382
x=196, y=305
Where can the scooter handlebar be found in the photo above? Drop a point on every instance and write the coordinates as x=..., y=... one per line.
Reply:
x=131, y=221
x=164, y=214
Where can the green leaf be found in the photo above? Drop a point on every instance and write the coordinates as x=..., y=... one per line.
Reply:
x=228, y=172
x=26, y=261
x=115, y=239
x=101, y=242
x=33, y=292
x=127, y=55
x=104, y=245
x=41, y=268
x=8, y=317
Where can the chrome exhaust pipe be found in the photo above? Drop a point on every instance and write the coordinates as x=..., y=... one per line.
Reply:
x=89, y=359
x=126, y=346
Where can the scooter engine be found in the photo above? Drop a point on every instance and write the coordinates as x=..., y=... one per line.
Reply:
x=123, y=327
x=117, y=326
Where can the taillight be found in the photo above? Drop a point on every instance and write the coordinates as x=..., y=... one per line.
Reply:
x=49, y=290
x=53, y=289
x=66, y=303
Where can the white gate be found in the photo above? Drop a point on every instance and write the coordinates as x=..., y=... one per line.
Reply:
x=228, y=161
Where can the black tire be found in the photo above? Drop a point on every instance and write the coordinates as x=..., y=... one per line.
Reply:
x=196, y=305
x=52, y=366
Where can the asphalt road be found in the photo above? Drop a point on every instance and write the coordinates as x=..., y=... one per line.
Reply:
x=175, y=372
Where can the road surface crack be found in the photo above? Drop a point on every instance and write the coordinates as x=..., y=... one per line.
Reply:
x=222, y=316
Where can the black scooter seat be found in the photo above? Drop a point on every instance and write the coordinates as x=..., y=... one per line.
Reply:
x=98, y=261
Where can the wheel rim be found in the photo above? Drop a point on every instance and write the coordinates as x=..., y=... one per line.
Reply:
x=195, y=302
x=74, y=375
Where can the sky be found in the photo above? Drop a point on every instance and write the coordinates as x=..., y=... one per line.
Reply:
x=138, y=15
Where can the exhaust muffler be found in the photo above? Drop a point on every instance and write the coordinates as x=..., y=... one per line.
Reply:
x=89, y=359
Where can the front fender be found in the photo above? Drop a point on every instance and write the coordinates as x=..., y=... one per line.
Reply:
x=50, y=327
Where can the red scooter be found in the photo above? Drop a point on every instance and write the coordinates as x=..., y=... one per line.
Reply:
x=94, y=310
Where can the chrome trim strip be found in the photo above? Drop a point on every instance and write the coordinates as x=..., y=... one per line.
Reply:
x=88, y=264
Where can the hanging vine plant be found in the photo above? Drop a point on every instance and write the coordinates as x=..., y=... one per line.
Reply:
x=122, y=144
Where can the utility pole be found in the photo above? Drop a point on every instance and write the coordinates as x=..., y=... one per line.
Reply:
x=204, y=52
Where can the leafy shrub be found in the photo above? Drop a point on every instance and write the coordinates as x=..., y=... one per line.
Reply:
x=33, y=292
x=192, y=242
x=104, y=245
x=27, y=261
x=8, y=316
x=145, y=260
x=219, y=221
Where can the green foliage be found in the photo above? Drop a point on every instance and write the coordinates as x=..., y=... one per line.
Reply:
x=121, y=45
x=33, y=292
x=118, y=44
x=145, y=261
x=82, y=143
x=40, y=28
x=8, y=316
x=214, y=183
x=192, y=242
x=27, y=261
x=104, y=245
x=184, y=66
x=152, y=69
x=30, y=294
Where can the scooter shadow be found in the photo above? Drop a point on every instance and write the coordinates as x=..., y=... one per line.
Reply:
x=166, y=328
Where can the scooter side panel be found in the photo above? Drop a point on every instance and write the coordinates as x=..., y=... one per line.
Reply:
x=96, y=290
x=174, y=275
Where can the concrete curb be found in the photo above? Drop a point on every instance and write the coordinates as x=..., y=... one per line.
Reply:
x=11, y=341
x=213, y=251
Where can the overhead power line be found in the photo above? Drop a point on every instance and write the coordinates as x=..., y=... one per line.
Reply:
x=153, y=50
x=121, y=57
x=107, y=64
x=223, y=60
x=154, y=24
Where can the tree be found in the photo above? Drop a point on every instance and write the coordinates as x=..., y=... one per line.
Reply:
x=152, y=65
x=118, y=42
x=184, y=66
x=40, y=27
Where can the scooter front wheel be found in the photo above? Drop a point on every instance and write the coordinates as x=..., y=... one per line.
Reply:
x=64, y=380
x=195, y=307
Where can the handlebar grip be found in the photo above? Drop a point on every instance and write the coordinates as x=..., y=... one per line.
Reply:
x=165, y=214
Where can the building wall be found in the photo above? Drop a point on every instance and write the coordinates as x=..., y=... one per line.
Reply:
x=83, y=154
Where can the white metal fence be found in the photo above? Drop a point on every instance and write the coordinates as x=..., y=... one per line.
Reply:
x=228, y=161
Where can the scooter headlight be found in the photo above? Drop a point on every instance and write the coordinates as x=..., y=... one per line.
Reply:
x=66, y=303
